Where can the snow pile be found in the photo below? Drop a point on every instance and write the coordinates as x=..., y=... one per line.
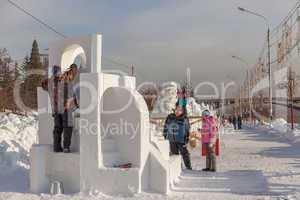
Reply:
x=167, y=99
x=17, y=134
x=280, y=127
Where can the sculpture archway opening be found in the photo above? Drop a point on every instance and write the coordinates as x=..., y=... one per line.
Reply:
x=74, y=54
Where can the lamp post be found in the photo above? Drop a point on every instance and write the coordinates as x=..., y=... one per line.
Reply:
x=240, y=101
x=269, y=57
x=291, y=85
x=249, y=84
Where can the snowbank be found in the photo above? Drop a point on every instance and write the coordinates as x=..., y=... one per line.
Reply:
x=280, y=127
x=17, y=134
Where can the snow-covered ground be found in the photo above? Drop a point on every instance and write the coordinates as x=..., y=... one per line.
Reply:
x=17, y=134
x=281, y=128
x=255, y=164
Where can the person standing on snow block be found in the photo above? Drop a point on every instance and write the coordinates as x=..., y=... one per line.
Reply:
x=63, y=101
x=208, y=135
x=177, y=130
x=70, y=105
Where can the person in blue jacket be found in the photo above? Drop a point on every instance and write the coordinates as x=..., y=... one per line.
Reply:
x=177, y=130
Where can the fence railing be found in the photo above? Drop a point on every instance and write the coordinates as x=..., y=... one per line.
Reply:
x=161, y=120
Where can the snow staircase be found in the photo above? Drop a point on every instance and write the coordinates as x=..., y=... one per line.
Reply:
x=111, y=154
x=241, y=182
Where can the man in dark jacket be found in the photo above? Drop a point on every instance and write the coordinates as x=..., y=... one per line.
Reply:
x=176, y=130
x=63, y=101
x=234, y=122
x=239, y=122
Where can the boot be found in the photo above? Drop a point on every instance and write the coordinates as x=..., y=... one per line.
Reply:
x=67, y=150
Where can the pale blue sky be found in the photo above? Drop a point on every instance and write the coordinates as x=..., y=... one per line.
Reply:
x=160, y=37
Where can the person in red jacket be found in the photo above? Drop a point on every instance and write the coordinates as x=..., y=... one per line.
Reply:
x=208, y=136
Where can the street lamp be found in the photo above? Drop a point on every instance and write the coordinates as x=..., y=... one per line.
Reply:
x=269, y=56
x=249, y=84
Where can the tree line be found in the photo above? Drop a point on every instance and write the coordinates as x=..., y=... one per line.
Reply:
x=23, y=75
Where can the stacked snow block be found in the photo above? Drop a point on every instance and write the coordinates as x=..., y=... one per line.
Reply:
x=113, y=129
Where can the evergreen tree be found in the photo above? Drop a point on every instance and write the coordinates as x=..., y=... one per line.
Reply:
x=187, y=88
x=4, y=67
x=32, y=80
x=35, y=59
x=17, y=71
x=24, y=66
x=21, y=69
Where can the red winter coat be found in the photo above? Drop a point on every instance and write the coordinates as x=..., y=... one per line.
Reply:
x=209, y=129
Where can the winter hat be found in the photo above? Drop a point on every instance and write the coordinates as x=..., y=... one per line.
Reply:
x=56, y=70
x=206, y=113
x=73, y=66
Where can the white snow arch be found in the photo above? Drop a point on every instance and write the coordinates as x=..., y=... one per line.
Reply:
x=73, y=54
x=88, y=48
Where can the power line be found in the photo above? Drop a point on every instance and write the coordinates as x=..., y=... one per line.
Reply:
x=287, y=17
x=36, y=19
x=56, y=31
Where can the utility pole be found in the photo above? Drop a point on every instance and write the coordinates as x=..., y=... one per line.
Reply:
x=249, y=95
x=241, y=97
x=291, y=85
x=270, y=77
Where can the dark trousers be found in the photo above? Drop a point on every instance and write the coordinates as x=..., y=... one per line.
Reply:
x=239, y=125
x=210, y=157
x=176, y=148
x=63, y=126
x=234, y=126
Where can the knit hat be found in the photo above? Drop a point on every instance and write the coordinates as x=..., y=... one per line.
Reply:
x=56, y=70
x=206, y=113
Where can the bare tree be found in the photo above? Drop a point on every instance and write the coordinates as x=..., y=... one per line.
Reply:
x=150, y=93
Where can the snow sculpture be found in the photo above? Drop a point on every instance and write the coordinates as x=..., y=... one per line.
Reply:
x=109, y=104
x=167, y=99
